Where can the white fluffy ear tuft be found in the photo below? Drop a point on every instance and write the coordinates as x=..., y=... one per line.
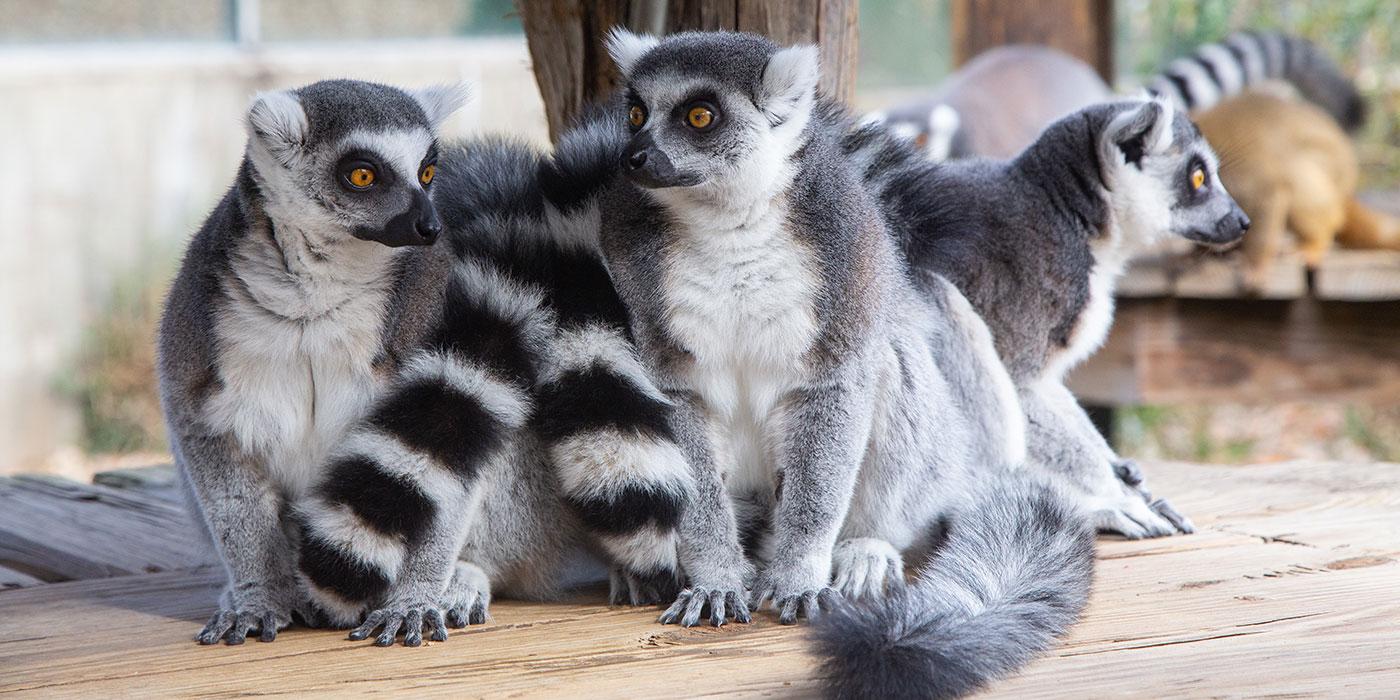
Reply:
x=626, y=48
x=277, y=120
x=440, y=101
x=1140, y=131
x=789, y=78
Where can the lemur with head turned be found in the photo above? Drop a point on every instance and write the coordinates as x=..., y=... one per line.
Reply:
x=371, y=345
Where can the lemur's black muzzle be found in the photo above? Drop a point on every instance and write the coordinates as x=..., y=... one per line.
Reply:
x=417, y=225
x=1229, y=229
x=648, y=166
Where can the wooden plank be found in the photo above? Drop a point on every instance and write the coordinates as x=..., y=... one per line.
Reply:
x=1358, y=275
x=158, y=481
x=1185, y=351
x=10, y=578
x=1080, y=28
x=59, y=530
x=1288, y=589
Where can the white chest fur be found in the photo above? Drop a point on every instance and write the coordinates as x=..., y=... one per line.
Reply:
x=1091, y=328
x=740, y=300
x=296, y=347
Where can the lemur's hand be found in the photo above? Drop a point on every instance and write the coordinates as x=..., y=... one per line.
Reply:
x=246, y=608
x=797, y=588
x=409, y=613
x=725, y=601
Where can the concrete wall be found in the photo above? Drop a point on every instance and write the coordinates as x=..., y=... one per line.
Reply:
x=110, y=156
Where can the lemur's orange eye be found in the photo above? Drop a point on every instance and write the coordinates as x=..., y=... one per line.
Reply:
x=700, y=117
x=361, y=177
x=425, y=175
x=1198, y=178
x=636, y=116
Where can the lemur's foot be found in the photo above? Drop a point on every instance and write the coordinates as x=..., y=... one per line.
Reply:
x=1128, y=472
x=796, y=589
x=866, y=567
x=724, y=602
x=243, y=612
x=410, y=616
x=1126, y=507
x=468, y=597
x=630, y=588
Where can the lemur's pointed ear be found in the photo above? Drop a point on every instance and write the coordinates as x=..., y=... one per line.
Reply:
x=1141, y=131
x=789, y=78
x=440, y=101
x=626, y=47
x=278, y=122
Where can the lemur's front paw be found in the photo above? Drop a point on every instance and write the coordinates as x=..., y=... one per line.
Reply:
x=243, y=612
x=866, y=567
x=1130, y=510
x=630, y=588
x=468, y=598
x=410, y=615
x=725, y=602
x=795, y=591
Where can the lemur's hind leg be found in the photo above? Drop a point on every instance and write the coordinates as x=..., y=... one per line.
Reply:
x=1063, y=440
x=866, y=567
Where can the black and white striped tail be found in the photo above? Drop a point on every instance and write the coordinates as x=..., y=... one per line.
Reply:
x=1216, y=71
x=404, y=474
x=607, y=432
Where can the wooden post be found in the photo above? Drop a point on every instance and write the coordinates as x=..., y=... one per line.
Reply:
x=1080, y=28
x=571, y=62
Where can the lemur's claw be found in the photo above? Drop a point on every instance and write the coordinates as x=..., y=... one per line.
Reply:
x=232, y=627
x=691, y=603
x=809, y=604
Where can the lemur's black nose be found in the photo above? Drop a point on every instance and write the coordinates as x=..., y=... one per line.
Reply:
x=1243, y=221
x=428, y=229
x=637, y=159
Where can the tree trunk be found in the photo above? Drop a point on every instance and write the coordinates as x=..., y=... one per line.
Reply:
x=1080, y=28
x=567, y=39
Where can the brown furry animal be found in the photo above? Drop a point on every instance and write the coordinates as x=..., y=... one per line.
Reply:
x=1291, y=167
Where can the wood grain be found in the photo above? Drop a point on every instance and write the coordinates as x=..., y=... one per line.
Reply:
x=1289, y=589
x=58, y=530
x=1080, y=28
x=571, y=63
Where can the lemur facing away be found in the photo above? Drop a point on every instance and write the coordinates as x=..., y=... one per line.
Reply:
x=998, y=103
x=837, y=407
x=356, y=406
x=1036, y=244
x=1292, y=168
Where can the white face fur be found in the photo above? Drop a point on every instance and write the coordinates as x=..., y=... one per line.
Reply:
x=699, y=140
x=1163, y=180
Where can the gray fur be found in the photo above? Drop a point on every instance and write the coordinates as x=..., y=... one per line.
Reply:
x=835, y=406
x=1036, y=243
x=291, y=328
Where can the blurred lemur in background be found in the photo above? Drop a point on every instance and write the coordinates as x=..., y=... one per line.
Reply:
x=998, y=103
x=838, y=407
x=358, y=405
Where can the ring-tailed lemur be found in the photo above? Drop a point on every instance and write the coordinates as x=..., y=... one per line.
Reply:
x=344, y=393
x=837, y=407
x=999, y=102
x=1037, y=242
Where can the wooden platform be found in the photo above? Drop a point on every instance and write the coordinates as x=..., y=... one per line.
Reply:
x=1292, y=588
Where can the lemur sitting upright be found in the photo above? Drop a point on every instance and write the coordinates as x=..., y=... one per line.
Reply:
x=357, y=404
x=1036, y=243
x=837, y=407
